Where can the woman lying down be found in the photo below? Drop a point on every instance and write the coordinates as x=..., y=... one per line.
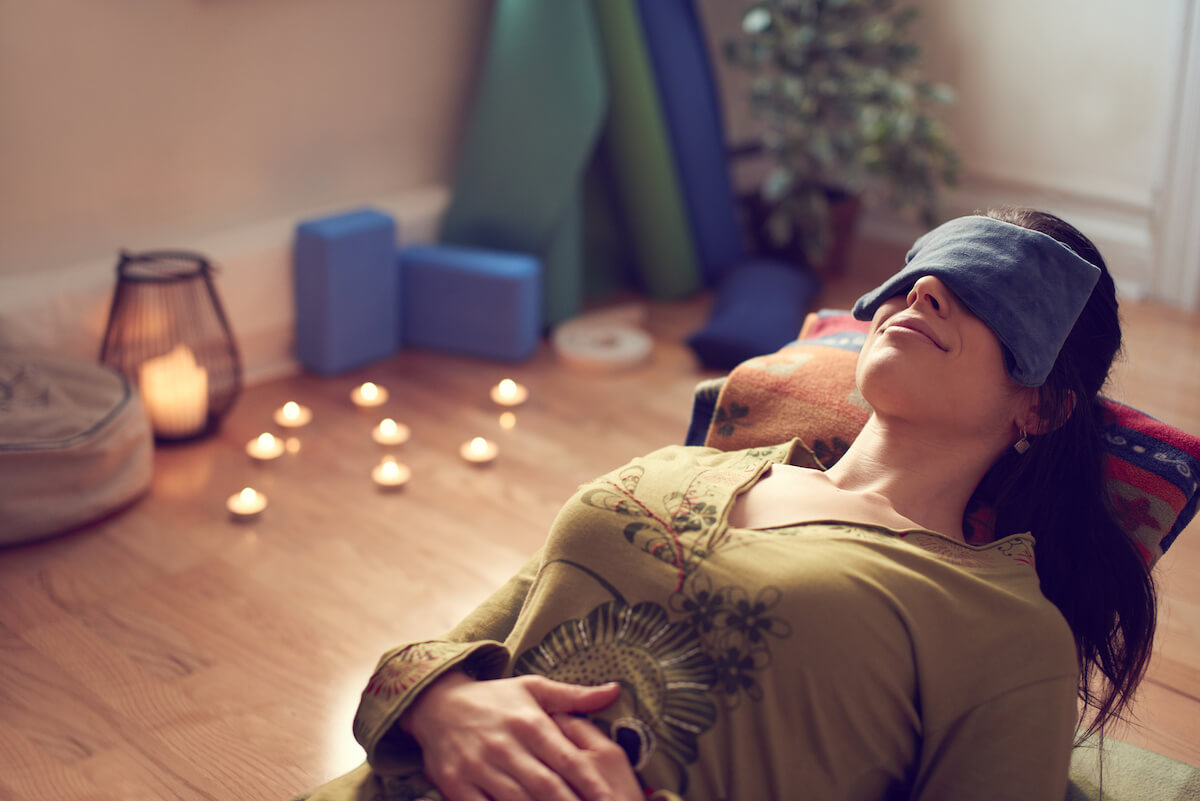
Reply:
x=748, y=625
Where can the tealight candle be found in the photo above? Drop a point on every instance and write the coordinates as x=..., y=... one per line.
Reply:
x=175, y=393
x=508, y=421
x=389, y=432
x=509, y=393
x=265, y=447
x=246, y=504
x=390, y=474
x=368, y=395
x=293, y=415
x=479, y=451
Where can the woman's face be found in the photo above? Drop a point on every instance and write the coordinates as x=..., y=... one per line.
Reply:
x=928, y=359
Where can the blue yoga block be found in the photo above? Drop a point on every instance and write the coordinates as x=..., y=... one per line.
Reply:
x=470, y=301
x=346, y=290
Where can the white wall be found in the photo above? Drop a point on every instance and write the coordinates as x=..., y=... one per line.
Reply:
x=1067, y=105
x=211, y=125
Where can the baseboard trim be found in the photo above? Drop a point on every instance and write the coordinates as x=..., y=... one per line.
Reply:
x=65, y=312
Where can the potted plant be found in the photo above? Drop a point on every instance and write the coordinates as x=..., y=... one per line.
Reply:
x=845, y=116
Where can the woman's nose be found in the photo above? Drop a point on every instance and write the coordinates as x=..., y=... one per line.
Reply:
x=930, y=290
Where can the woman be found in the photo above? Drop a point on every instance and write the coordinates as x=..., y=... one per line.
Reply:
x=749, y=625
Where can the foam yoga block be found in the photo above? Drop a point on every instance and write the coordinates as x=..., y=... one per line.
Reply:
x=346, y=291
x=470, y=301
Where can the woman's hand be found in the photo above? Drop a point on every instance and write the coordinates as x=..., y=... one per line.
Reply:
x=498, y=740
x=609, y=758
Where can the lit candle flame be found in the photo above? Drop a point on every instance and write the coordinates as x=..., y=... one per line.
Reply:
x=248, y=496
x=508, y=388
x=508, y=421
x=389, y=469
x=266, y=441
x=387, y=427
x=369, y=391
x=479, y=446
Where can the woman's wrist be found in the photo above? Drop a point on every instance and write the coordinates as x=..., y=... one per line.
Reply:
x=410, y=719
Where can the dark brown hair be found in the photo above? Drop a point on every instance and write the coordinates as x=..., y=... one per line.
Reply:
x=1086, y=563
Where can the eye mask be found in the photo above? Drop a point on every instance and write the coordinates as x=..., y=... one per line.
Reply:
x=1028, y=287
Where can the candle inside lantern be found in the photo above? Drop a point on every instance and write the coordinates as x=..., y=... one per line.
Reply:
x=479, y=451
x=265, y=447
x=293, y=415
x=509, y=393
x=174, y=390
x=389, y=432
x=390, y=474
x=246, y=504
x=368, y=394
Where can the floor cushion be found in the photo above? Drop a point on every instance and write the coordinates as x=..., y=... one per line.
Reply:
x=75, y=444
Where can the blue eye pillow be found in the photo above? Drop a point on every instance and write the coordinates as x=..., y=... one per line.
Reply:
x=1028, y=287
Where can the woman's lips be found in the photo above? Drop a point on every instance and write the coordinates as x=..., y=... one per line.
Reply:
x=918, y=328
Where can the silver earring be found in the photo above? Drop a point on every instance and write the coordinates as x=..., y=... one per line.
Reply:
x=1022, y=445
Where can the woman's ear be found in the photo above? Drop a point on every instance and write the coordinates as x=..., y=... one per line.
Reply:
x=1041, y=414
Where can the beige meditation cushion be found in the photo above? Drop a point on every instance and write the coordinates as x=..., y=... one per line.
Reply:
x=75, y=444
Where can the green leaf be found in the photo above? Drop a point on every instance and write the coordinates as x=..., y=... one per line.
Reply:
x=756, y=20
x=777, y=183
x=941, y=93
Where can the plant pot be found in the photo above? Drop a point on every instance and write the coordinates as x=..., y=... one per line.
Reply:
x=844, y=209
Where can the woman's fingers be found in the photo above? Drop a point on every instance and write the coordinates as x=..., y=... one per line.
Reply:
x=576, y=775
x=496, y=740
x=558, y=697
x=608, y=757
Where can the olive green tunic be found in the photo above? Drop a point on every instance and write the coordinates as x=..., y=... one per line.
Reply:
x=825, y=660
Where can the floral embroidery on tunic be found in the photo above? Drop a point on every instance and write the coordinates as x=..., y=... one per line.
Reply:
x=404, y=670
x=735, y=629
x=663, y=667
x=680, y=528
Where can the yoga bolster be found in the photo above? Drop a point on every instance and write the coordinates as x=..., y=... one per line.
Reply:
x=759, y=308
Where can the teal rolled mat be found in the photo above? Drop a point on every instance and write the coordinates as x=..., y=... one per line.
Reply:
x=608, y=263
x=638, y=149
x=537, y=114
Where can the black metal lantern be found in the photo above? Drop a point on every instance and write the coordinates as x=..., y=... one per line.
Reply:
x=168, y=335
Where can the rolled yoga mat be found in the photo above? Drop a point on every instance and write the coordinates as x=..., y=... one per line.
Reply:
x=678, y=51
x=639, y=150
x=536, y=116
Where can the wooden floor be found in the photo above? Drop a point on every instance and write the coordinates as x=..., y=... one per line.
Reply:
x=171, y=653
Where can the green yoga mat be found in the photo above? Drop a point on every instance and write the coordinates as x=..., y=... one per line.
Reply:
x=536, y=117
x=638, y=149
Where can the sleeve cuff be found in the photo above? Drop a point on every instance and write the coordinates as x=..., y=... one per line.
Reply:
x=397, y=683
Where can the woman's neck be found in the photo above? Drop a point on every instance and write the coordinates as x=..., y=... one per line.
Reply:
x=927, y=476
